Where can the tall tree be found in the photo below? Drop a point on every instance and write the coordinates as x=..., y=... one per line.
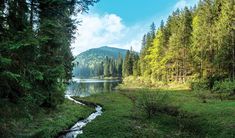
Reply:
x=224, y=33
x=107, y=67
x=201, y=39
x=152, y=30
x=127, y=70
x=136, y=67
x=35, y=53
x=119, y=65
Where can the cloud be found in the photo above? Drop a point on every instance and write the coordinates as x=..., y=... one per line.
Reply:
x=183, y=3
x=105, y=30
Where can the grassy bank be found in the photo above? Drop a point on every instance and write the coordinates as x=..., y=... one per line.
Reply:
x=42, y=123
x=132, y=82
x=183, y=114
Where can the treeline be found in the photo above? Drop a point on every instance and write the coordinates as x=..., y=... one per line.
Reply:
x=194, y=43
x=131, y=64
x=110, y=67
x=35, y=53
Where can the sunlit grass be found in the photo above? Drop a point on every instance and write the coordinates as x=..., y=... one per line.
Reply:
x=123, y=118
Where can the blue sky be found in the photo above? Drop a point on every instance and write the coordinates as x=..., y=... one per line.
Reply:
x=122, y=23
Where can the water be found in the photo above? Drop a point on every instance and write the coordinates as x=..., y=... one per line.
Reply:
x=76, y=129
x=87, y=87
x=83, y=88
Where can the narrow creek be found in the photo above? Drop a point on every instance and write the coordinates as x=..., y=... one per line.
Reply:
x=84, y=88
x=77, y=128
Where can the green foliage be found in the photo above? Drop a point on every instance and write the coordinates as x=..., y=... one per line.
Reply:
x=136, y=67
x=5, y=61
x=130, y=64
x=28, y=120
x=191, y=123
x=35, y=54
x=92, y=63
x=199, y=84
x=11, y=76
x=226, y=86
x=119, y=65
x=152, y=104
x=195, y=41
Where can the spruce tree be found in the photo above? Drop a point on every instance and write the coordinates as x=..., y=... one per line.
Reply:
x=119, y=65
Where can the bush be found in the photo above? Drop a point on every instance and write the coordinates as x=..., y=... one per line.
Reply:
x=200, y=84
x=189, y=122
x=226, y=86
x=153, y=103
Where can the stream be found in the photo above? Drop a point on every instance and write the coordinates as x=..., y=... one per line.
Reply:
x=77, y=128
x=83, y=88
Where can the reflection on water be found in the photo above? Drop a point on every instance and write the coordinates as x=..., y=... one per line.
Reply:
x=86, y=87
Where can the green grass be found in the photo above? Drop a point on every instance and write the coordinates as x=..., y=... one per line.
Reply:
x=122, y=118
x=115, y=121
x=44, y=123
x=201, y=114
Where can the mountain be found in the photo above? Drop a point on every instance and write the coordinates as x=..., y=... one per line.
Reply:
x=97, y=55
x=88, y=60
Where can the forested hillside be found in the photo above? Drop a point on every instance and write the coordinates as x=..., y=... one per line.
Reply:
x=99, y=62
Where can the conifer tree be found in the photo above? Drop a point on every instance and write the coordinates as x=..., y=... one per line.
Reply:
x=119, y=65
x=35, y=53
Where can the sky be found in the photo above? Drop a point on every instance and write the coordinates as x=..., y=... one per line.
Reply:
x=121, y=23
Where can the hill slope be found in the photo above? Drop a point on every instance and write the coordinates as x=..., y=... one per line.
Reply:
x=97, y=55
x=87, y=60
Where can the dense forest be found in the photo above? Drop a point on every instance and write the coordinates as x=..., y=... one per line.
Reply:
x=99, y=62
x=36, y=58
x=110, y=67
x=194, y=45
x=113, y=68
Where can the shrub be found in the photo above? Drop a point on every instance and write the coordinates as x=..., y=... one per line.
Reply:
x=200, y=84
x=226, y=86
x=153, y=103
x=190, y=122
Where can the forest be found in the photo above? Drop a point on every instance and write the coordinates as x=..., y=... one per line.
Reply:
x=36, y=61
x=104, y=68
x=111, y=68
x=102, y=62
x=36, y=58
x=180, y=84
x=195, y=45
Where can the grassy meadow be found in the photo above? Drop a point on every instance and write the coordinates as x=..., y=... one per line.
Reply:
x=154, y=112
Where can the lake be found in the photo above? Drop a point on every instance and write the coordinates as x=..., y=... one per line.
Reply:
x=87, y=87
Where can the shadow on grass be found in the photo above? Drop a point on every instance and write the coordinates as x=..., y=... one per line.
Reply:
x=158, y=107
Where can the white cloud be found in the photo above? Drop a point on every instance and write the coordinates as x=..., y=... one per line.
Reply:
x=183, y=3
x=106, y=30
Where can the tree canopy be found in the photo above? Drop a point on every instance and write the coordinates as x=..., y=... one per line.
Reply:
x=35, y=52
x=194, y=43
